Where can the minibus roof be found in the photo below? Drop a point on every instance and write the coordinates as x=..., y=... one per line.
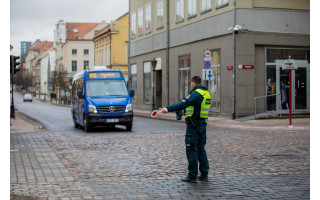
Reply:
x=82, y=73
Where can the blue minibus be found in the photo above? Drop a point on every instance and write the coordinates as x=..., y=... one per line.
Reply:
x=101, y=98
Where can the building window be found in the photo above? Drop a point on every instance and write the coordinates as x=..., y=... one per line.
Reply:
x=159, y=13
x=184, y=76
x=147, y=94
x=86, y=65
x=205, y=5
x=148, y=18
x=192, y=8
x=86, y=52
x=213, y=85
x=106, y=56
x=74, y=65
x=101, y=57
x=140, y=21
x=133, y=25
x=222, y=3
x=74, y=52
x=134, y=81
x=179, y=10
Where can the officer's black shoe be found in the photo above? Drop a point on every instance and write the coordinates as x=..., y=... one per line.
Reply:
x=203, y=177
x=187, y=179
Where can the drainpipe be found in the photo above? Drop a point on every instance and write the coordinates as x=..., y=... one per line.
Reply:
x=167, y=58
x=128, y=60
x=234, y=63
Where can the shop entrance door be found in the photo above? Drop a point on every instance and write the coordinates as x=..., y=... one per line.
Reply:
x=300, y=84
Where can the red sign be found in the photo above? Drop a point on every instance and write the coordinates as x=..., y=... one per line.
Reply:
x=246, y=66
x=229, y=67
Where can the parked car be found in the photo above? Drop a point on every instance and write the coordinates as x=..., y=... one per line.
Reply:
x=27, y=97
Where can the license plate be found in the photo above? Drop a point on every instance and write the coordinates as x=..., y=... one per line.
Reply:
x=112, y=120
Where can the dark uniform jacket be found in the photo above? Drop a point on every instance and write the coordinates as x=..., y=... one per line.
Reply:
x=193, y=99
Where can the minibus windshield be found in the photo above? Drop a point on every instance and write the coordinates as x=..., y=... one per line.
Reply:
x=100, y=88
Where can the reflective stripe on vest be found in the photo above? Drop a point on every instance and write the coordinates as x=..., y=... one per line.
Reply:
x=205, y=105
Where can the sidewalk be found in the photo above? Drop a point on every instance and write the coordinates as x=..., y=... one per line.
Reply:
x=281, y=124
x=23, y=124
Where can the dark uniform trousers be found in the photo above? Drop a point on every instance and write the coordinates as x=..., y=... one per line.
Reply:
x=195, y=140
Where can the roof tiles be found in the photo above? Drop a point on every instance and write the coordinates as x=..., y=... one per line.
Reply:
x=76, y=30
x=45, y=45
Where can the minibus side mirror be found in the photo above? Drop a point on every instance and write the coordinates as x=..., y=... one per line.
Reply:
x=131, y=93
x=79, y=94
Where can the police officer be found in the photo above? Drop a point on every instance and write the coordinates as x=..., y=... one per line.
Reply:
x=197, y=105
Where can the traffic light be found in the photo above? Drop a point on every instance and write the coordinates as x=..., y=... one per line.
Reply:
x=14, y=63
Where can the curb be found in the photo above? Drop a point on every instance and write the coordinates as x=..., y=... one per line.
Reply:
x=34, y=122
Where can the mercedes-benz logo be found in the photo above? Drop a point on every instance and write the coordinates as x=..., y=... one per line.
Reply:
x=112, y=109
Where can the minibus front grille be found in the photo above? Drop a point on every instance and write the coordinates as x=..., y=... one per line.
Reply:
x=111, y=109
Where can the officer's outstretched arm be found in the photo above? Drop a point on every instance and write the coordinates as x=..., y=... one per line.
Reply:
x=184, y=103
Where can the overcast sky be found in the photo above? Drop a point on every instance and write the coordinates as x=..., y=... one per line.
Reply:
x=36, y=19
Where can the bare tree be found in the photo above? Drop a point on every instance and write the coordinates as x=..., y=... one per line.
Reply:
x=23, y=79
x=59, y=79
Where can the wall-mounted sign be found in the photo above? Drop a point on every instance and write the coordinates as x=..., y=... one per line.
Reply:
x=289, y=65
x=159, y=64
x=207, y=74
x=229, y=67
x=207, y=64
x=207, y=53
x=134, y=69
x=246, y=66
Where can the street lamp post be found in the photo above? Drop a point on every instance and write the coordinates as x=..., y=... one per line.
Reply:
x=154, y=64
x=45, y=89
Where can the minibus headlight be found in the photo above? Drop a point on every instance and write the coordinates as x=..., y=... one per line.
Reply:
x=129, y=108
x=92, y=109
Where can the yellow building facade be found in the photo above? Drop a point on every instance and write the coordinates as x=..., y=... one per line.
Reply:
x=111, y=45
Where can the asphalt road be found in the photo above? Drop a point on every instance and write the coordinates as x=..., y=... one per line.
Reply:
x=58, y=118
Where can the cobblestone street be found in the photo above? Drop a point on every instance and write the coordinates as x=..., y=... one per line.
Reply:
x=244, y=164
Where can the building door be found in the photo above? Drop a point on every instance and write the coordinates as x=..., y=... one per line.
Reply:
x=158, y=89
x=300, y=84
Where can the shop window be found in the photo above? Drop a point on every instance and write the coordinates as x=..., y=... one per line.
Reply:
x=271, y=88
x=134, y=81
x=147, y=94
x=214, y=84
x=184, y=76
x=274, y=56
x=282, y=54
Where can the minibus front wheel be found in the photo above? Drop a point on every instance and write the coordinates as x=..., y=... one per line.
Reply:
x=86, y=123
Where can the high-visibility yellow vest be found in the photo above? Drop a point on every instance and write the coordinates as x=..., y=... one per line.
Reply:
x=205, y=105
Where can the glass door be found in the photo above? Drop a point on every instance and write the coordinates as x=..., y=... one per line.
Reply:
x=300, y=89
x=283, y=89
